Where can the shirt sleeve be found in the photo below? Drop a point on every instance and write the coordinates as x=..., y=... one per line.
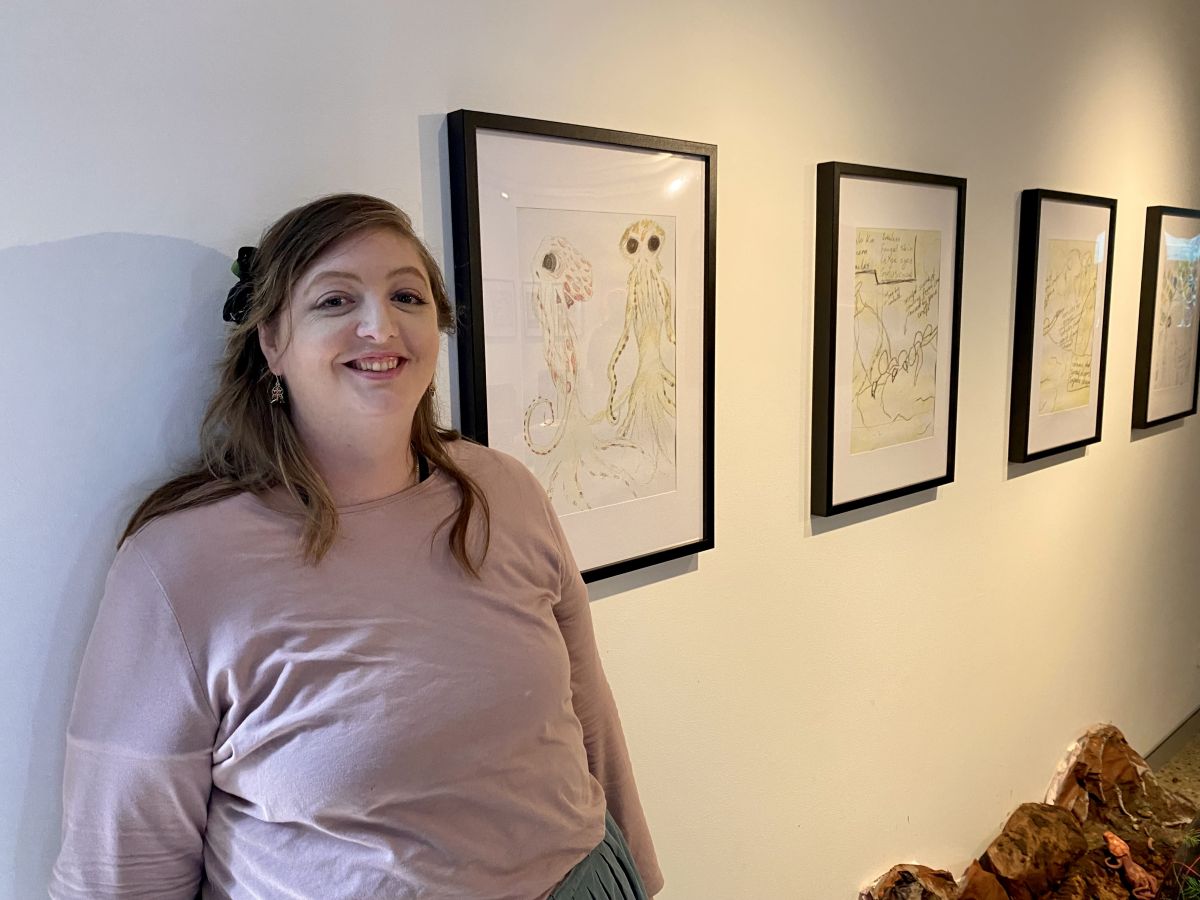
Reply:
x=138, y=769
x=603, y=738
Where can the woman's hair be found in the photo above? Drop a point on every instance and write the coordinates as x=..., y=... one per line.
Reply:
x=249, y=444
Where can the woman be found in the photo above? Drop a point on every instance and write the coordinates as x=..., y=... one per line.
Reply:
x=349, y=655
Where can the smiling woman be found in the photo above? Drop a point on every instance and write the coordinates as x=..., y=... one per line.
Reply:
x=349, y=654
x=357, y=349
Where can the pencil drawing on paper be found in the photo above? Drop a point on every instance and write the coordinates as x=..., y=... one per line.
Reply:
x=1068, y=320
x=575, y=454
x=644, y=410
x=599, y=381
x=1175, y=316
x=897, y=286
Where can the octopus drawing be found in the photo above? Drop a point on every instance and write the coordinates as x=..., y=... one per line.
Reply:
x=644, y=412
x=576, y=457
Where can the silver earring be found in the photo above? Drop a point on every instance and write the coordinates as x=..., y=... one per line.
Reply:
x=277, y=391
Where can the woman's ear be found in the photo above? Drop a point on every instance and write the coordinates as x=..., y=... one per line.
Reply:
x=268, y=342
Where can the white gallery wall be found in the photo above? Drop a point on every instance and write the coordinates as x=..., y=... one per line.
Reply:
x=810, y=702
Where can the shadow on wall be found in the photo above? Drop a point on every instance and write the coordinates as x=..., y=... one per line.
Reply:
x=108, y=352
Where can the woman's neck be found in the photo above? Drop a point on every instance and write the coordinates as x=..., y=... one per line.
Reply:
x=364, y=468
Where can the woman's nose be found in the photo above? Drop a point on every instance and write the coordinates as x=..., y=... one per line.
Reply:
x=377, y=319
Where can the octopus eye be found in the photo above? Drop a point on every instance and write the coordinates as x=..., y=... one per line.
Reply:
x=550, y=262
x=653, y=243
x=631, y=246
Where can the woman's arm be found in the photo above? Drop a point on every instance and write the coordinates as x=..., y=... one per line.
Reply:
x=603, y=738
x=139, y=751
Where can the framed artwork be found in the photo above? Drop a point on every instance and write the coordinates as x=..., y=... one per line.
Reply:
x=1064, y=280
x=885, y=336
x=1164, y=385
x=585, y=275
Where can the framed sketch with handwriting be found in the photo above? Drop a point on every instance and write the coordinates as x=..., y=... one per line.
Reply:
x=1165, y=380
x=1064, y=274
x=885, y=337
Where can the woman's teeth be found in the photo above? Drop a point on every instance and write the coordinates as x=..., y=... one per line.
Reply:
x=375, y=365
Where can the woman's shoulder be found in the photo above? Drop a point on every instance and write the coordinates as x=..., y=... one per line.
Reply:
x=198, y=538
x=483, y=462
x=501, y=476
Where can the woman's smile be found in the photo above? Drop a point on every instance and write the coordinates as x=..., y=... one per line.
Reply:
x=377, y=368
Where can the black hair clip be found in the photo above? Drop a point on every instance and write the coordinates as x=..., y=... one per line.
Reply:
x=237, y=302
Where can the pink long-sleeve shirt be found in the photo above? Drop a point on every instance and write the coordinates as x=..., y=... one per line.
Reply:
x=381, y=725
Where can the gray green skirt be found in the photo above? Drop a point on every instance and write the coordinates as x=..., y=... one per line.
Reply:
x=607, y=873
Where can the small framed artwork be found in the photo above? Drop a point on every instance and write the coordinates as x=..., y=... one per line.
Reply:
x=1164, y=385
x=889, y=262
x=1064, y=275
x=585, y=278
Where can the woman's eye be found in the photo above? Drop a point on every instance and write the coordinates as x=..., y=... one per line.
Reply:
x=408, y=297
x=331, y=302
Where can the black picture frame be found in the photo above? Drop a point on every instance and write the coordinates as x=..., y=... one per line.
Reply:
x=825, y=459
x=464, y=127
x=1025, y=338
x=1147, y=315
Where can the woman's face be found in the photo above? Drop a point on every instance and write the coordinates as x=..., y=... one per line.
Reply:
x=357, y=342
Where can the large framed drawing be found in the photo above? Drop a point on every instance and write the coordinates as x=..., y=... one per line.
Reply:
x=885, y=334
x=1064, y=280
x=585, y=274
x=1164, y=385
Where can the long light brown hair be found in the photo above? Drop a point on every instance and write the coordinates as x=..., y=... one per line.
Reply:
x=248, y=443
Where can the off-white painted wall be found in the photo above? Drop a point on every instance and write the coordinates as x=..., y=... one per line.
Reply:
x=812, y=701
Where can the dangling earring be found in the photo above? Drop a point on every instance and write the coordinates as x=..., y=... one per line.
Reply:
x=277, y=391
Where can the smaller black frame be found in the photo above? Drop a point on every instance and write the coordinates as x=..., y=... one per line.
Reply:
x=1146, y=317
x=1029, y=242
x=829, y=178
